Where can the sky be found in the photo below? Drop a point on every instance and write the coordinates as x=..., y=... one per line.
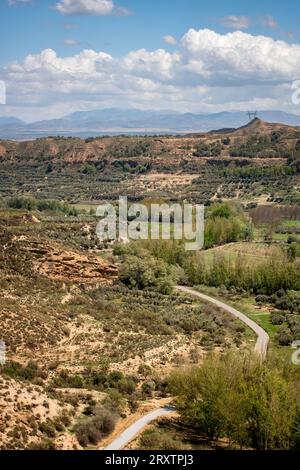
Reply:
x=61, y=56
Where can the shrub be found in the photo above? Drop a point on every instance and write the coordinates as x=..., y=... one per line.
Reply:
x=284, y=337
x=277, y=318
x=21, y=203
x=127, y=386
x=153, y=439
x=29, y=372
x=91, y=430
x=89, y=169
x=115, y=401
x=66, y=380
x=145, y=370
x=148, y=388
x=48, y=428
x=45, y=444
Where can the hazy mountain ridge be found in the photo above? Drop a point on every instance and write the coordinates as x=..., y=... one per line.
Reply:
x=132, y=121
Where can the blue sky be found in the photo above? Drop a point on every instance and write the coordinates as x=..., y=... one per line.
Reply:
x=28, y=28
x=121, y=28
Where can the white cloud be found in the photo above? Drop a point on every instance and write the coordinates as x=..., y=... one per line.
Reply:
x=158, y=65
x=47, y=61
x=207, y=72
x=241, y=57
x=236, y=22
x=168, y=39
x=89, y=7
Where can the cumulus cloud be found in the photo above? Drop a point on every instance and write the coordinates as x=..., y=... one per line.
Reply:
x=89, y=7
x=47, y=61
x=236, y=22
x=207, y=72
x=158, y=65
x=240, y=56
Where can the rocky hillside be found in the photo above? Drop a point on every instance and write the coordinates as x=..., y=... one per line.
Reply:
x=277, y=137
x=93, y=169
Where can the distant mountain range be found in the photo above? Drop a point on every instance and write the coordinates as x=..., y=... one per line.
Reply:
x=116, y=121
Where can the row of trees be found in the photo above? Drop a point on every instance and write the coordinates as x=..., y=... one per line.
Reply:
x=153, y=263
x=256, y=172
x=31, y=204
x=262, y=277
x=263, y=215
x=159, y=265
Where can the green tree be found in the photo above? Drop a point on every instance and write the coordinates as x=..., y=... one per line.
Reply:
x=234, y=395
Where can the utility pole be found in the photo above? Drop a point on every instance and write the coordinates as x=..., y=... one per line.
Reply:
x=252, y=115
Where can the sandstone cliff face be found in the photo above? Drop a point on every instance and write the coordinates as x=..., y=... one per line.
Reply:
x=58, y=264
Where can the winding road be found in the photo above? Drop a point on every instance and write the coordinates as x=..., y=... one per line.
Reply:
x=261, y=348
x=130, y=433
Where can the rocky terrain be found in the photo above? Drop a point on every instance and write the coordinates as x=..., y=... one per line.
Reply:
x=76, y=338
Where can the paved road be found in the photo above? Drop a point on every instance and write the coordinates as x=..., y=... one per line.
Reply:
x=261, y=348
x=130, y=433
x=263, y=339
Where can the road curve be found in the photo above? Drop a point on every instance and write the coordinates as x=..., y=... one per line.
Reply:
x=261, y=348
x=130, y=433
x=263, y=338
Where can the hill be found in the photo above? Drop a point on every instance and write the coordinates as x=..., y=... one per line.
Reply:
x=178, y=167
x=265, y=128
x=133, y=121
